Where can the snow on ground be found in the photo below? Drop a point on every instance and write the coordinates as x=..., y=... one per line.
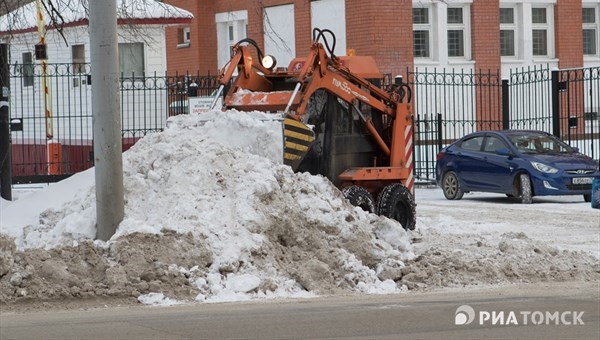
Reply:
x=211, y=215
x=203, y=221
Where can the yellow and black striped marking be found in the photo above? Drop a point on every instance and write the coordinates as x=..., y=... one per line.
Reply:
x=298, y=140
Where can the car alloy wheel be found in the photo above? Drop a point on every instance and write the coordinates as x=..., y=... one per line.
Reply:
x=451, y=186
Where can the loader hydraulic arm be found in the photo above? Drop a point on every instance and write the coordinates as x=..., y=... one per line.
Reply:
x=243, y=61
x=320, y=72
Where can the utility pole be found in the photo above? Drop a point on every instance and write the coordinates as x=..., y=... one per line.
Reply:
x=108, y=154
x=5, y=155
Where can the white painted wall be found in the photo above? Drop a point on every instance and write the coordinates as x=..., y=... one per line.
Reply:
x=330, y=14
x=71, y=94
x=280, y=36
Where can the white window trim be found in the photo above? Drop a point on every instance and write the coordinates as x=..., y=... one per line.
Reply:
x=596, y=26
x=239, y=21
x=517, y=34
x=426, y=27
x=549, y=27
x=185, y=41
x=186, y=34
x=465, y=27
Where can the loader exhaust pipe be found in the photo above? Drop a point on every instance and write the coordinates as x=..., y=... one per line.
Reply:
x=296, y=89
x=212, y=106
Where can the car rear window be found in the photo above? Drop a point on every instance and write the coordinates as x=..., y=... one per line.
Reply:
x=473, y=143
x=493, y=143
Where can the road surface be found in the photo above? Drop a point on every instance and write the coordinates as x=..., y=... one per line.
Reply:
x=406, y=316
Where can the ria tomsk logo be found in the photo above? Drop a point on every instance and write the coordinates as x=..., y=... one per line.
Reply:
x=464, y=315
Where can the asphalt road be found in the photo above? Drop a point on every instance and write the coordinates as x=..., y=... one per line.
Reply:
x=411, y=315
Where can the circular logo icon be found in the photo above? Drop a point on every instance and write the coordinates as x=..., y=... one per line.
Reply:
x=464, y=315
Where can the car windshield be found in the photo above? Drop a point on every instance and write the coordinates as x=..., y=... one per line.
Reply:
x=536, y=143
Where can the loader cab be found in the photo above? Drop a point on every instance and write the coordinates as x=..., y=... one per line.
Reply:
x=342, y=141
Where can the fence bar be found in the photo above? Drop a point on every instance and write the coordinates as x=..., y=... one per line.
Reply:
x=505, y=104
x=5, y=154
x=555, y=104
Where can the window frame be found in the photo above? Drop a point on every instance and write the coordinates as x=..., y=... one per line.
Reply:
x=465, y=27
x=595, y=26
x=426, y=27
x=223, y=21
x=514, y=27
x=183, y=37
x=127, y=73
x=78, y=61
x=27, y=69
x=548, y=26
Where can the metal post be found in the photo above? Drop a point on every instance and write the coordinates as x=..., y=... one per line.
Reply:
x=5, y=154
x=108, y=158
x=505, y=105
x=439, y=132
x=555, y=104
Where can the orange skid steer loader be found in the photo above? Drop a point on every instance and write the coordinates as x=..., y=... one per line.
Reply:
x=337, y=121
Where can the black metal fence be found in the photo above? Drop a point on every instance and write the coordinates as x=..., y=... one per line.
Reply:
x=146, y=103
x=450, y=104
x=447, y=105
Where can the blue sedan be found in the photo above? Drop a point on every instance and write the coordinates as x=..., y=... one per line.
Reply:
x=516, y=163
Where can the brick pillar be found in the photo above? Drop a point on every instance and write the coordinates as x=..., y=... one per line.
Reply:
x=302, y=26
x=485, y=50
x=567, y=33
x=569, y=51
x=383, y=30
x=200, y=55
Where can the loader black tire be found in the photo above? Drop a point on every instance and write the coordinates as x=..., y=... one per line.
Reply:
x=359, y=197
x=395, y=201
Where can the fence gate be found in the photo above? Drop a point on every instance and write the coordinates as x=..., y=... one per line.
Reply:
x=576, y=107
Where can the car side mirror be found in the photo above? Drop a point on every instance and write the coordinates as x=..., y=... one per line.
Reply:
x=504, y=152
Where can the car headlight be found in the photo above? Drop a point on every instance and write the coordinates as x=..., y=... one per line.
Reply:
x=541, y=167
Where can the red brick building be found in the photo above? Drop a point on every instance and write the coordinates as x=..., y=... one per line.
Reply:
x=400, y=34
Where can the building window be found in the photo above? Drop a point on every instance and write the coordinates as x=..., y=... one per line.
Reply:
x=508, y=31
x=131, y=59
x=27, y=69
x=421, y=33
x=456, y=32
x=279, y=33
x=540, y=24
x=78, y=58
x=183, y=37
x=231, y=28
x=590, y=31
x=330, y=14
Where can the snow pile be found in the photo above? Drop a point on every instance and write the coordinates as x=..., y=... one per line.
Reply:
x=209, y=222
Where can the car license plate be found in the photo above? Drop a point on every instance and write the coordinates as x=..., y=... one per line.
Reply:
x=582, y=180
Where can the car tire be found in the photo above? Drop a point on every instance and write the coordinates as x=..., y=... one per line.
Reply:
x=451, y=186
x=525, y=189
x=395, y=201
x=587, y=197
x=359, y=196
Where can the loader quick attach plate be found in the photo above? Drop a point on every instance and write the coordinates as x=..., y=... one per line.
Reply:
x=298, y=141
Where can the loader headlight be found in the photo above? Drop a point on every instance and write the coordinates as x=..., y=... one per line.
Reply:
x=269, y=62
x=544, y=168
